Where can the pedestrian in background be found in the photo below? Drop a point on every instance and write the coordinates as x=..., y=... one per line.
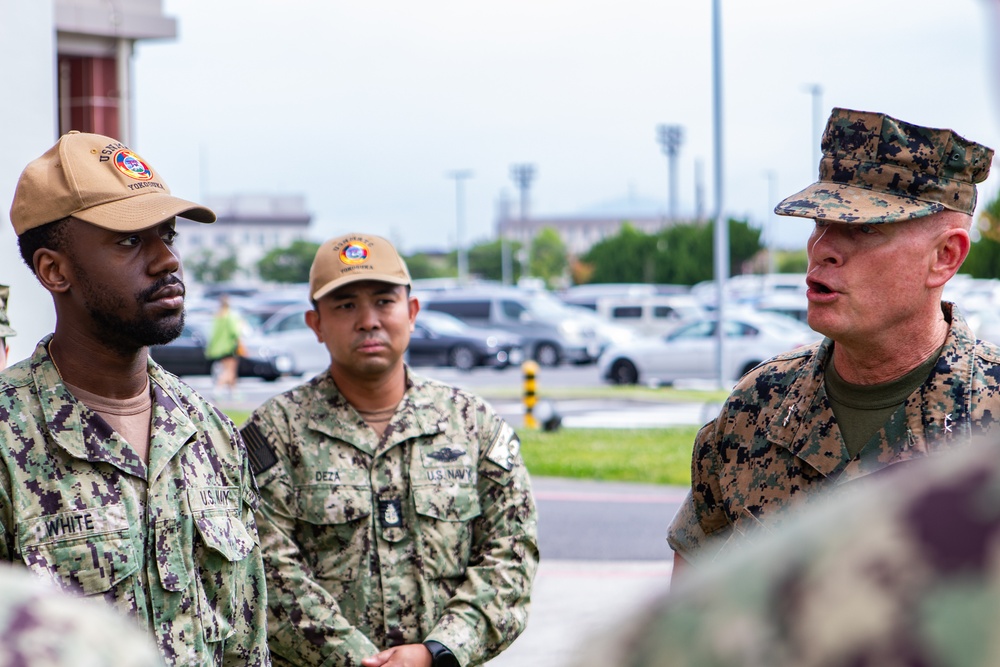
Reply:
x=117, y=480
x=396, y=517
x=899, y=373
x=5, y=328
x=224, y=346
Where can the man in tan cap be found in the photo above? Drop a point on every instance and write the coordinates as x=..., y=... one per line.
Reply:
x=396, y=516
x=116, y=479
x=899, y=374
x=5, y=328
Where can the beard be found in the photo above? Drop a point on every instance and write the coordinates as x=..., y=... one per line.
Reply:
x=128, y=335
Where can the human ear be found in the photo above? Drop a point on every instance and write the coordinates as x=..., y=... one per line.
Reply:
x=951, y=250
x=52, y=268
x=313, y=320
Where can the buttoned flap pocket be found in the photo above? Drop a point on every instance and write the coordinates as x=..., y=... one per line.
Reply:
x=89, y=550
x=444, y=515
x=220, y=556
x=333, y=528
x=325, y=504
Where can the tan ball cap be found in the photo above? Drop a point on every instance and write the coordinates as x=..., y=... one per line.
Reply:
x=96, y=179
x=353, y=257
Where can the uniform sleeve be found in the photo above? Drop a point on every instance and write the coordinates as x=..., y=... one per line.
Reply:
x=490, y=608
x=701, y=526
x=248, y=643
x=305, y=623
x=6, y=516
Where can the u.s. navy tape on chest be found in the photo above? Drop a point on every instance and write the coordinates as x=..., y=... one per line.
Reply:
x=259, y=450
x=504, y=446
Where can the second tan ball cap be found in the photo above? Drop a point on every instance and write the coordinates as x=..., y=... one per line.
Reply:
x=99, y=180
x=354, y=257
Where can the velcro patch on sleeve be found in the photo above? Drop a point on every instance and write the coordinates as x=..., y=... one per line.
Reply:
x=262, y=454
x=504, y=447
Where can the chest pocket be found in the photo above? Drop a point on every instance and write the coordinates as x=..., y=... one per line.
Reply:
x=445, y=515
x=334, y=528
x=219, y=544
x=89, y=551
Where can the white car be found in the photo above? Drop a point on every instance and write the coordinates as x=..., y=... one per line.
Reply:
x=689, y=352
x=288, y=329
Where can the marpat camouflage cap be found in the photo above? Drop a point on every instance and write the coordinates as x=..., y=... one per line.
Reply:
x=353, y=257
x=877, y=169
x=5, y=329
x=99, y=180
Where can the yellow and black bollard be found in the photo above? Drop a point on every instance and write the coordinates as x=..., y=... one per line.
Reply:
x=530, y=370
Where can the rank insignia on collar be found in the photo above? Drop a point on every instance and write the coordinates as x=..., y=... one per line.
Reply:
x=446, y=454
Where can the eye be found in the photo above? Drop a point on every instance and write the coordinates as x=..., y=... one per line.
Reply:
x=130, y=241
x=169, y=236
x=866, y=229
x=822, y=224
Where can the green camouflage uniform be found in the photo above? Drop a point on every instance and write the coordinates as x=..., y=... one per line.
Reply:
x=429, y=534
x=903, y=573
x=41, y=626
x=178, y=552
x=776, y=443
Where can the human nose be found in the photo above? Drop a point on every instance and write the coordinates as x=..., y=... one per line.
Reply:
x=368, y=317
x=165, y=258
x=823, y=246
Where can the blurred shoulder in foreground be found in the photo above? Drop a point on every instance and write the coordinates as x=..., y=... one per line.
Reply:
x=42, y=626
x=906, y=572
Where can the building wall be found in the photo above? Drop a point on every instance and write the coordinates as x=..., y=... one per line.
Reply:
x=248, y=226
x=27, y=63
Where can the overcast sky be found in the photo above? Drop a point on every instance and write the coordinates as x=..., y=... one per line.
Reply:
x=363, y=107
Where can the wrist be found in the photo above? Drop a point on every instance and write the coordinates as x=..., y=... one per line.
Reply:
x=441, y=655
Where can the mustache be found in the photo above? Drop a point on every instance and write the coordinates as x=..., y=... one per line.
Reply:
x=147, y=294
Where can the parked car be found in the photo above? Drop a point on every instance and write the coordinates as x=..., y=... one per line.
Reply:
x=689, y=352
x=651, y=315
x=288, y=330
x=185, y=355
x=551, y=333
x=438, y=339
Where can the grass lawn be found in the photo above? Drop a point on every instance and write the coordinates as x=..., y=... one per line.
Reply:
x=650, y=455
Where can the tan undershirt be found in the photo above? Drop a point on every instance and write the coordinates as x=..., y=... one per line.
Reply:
x=378, y=419
x=129, y=417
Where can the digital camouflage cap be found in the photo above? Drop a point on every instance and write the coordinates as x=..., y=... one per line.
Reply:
x=878, y=169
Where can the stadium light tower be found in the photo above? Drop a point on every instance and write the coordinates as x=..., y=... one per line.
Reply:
x=671, y=137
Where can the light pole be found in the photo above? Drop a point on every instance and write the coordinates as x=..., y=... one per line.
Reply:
x=772, y=194
x=522, y=175
x=463, y=254
x=721, y=225
x=670, y=138
x=816, y=91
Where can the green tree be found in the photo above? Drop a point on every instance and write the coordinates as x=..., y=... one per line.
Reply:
x=421, y=265
x=789, y=261
x=486, y=259
x=622, y=257
x=547, y=259
x=680, y=254
x=984, y=255
x=209, y=269
x=290, y=264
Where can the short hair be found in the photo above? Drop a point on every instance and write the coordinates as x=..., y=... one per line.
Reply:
x=52, y=235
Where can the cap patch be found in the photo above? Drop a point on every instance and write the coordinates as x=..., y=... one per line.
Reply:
x=354, y=252
x=131, y=165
